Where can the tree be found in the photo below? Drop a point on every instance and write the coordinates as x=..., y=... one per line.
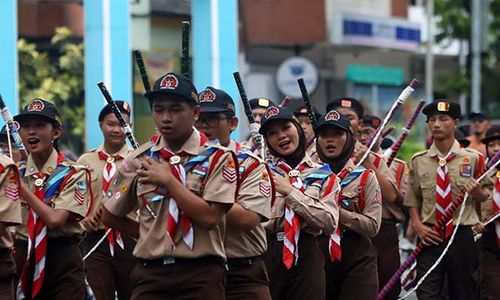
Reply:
x=58, y=79
x=454, y=23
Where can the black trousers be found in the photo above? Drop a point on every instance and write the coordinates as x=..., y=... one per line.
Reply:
x=459, y=266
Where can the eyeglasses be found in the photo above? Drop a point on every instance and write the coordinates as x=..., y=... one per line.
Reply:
x=210, y=122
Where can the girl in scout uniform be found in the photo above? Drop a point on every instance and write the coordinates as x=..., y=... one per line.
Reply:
x=57, y=194
x=351, y=259
x=305, y=206
x=109, y=266
x=490, y=240
x=10, y=215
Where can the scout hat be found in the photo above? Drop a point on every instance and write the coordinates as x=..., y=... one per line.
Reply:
x=274, y=113
x=123, y=106
x=3, y=132
x=493, y=133
x=260, y=103
x=460, y=137
x=371, y=121
x=299, y=112
x=42, y=108
x=442, y=107
x=213, y=100
x=478, y=116
x=333, y=118
x=174, y=84
x=347, y=102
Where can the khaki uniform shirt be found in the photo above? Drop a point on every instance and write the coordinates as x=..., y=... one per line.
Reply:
x=255, y=194
x=400, y=172
x=96, y=166
x=422, y=186
x=319, y=213
x=10, y=206
x=75, y=198
x=487, y=205
x=367, y=221
x=154, y=241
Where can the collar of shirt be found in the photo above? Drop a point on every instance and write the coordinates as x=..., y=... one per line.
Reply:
x=123, y=152
x=191, y=146
x=306, y=159
x=433, y=150
x=49, y=166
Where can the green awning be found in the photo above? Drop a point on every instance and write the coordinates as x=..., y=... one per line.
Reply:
x=374, y=74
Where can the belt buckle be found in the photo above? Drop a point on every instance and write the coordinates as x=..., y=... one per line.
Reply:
x=168, y=260
x=280, y=236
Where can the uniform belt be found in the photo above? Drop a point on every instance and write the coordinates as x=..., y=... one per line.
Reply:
x=169, y=260
x=243, y=261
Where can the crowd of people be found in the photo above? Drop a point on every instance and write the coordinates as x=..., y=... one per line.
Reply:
x=193, y=214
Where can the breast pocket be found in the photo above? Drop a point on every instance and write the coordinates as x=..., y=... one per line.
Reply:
x=350, y=201
x=195, y=183
x=149, y=194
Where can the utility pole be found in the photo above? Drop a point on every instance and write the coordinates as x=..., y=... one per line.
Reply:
x=476, y=55
x=429, y=56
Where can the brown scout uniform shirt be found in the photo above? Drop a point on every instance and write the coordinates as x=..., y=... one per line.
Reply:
x=69, y=199
x=366, y=222
x=10, y=206
x=255, y=194
x=96, y=166
x=154, y=241
x=422, y=187
x=318, y=213
x=487, y=205
x=400, y=172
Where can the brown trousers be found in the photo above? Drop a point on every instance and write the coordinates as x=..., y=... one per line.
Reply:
x=387, y=245
x=199, y=278
x=247, y=279
x=306, y=280
x=105, y=273
x=490, y=265
x=459, y=266
x=7, y=275
x=64, y=274
x=355, y=275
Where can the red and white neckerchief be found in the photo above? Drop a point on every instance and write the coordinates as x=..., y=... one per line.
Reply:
x=109, y=171
x=334, y=247
x=37, y=240
x=496, y=206
x=292, y=221
x=443, y=193
x=173, y=210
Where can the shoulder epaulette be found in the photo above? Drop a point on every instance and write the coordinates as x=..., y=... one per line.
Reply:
x=420, y=153
x=146, y=147
x=245, y=154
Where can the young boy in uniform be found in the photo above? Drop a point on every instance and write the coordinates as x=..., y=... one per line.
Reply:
x=245, y=240
x=182, y=187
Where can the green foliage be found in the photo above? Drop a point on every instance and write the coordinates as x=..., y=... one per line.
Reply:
x=58, y=79
x=454, y=23
x=409, y=148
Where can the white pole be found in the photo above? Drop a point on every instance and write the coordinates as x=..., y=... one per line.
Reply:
x=476, y=56
x=429, y=57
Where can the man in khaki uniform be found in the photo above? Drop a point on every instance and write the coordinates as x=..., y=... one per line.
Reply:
x=182, y=187
x=245, y=240
x=437, y=177
x=386, y=241
x=109, y=266
x=10, y=215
